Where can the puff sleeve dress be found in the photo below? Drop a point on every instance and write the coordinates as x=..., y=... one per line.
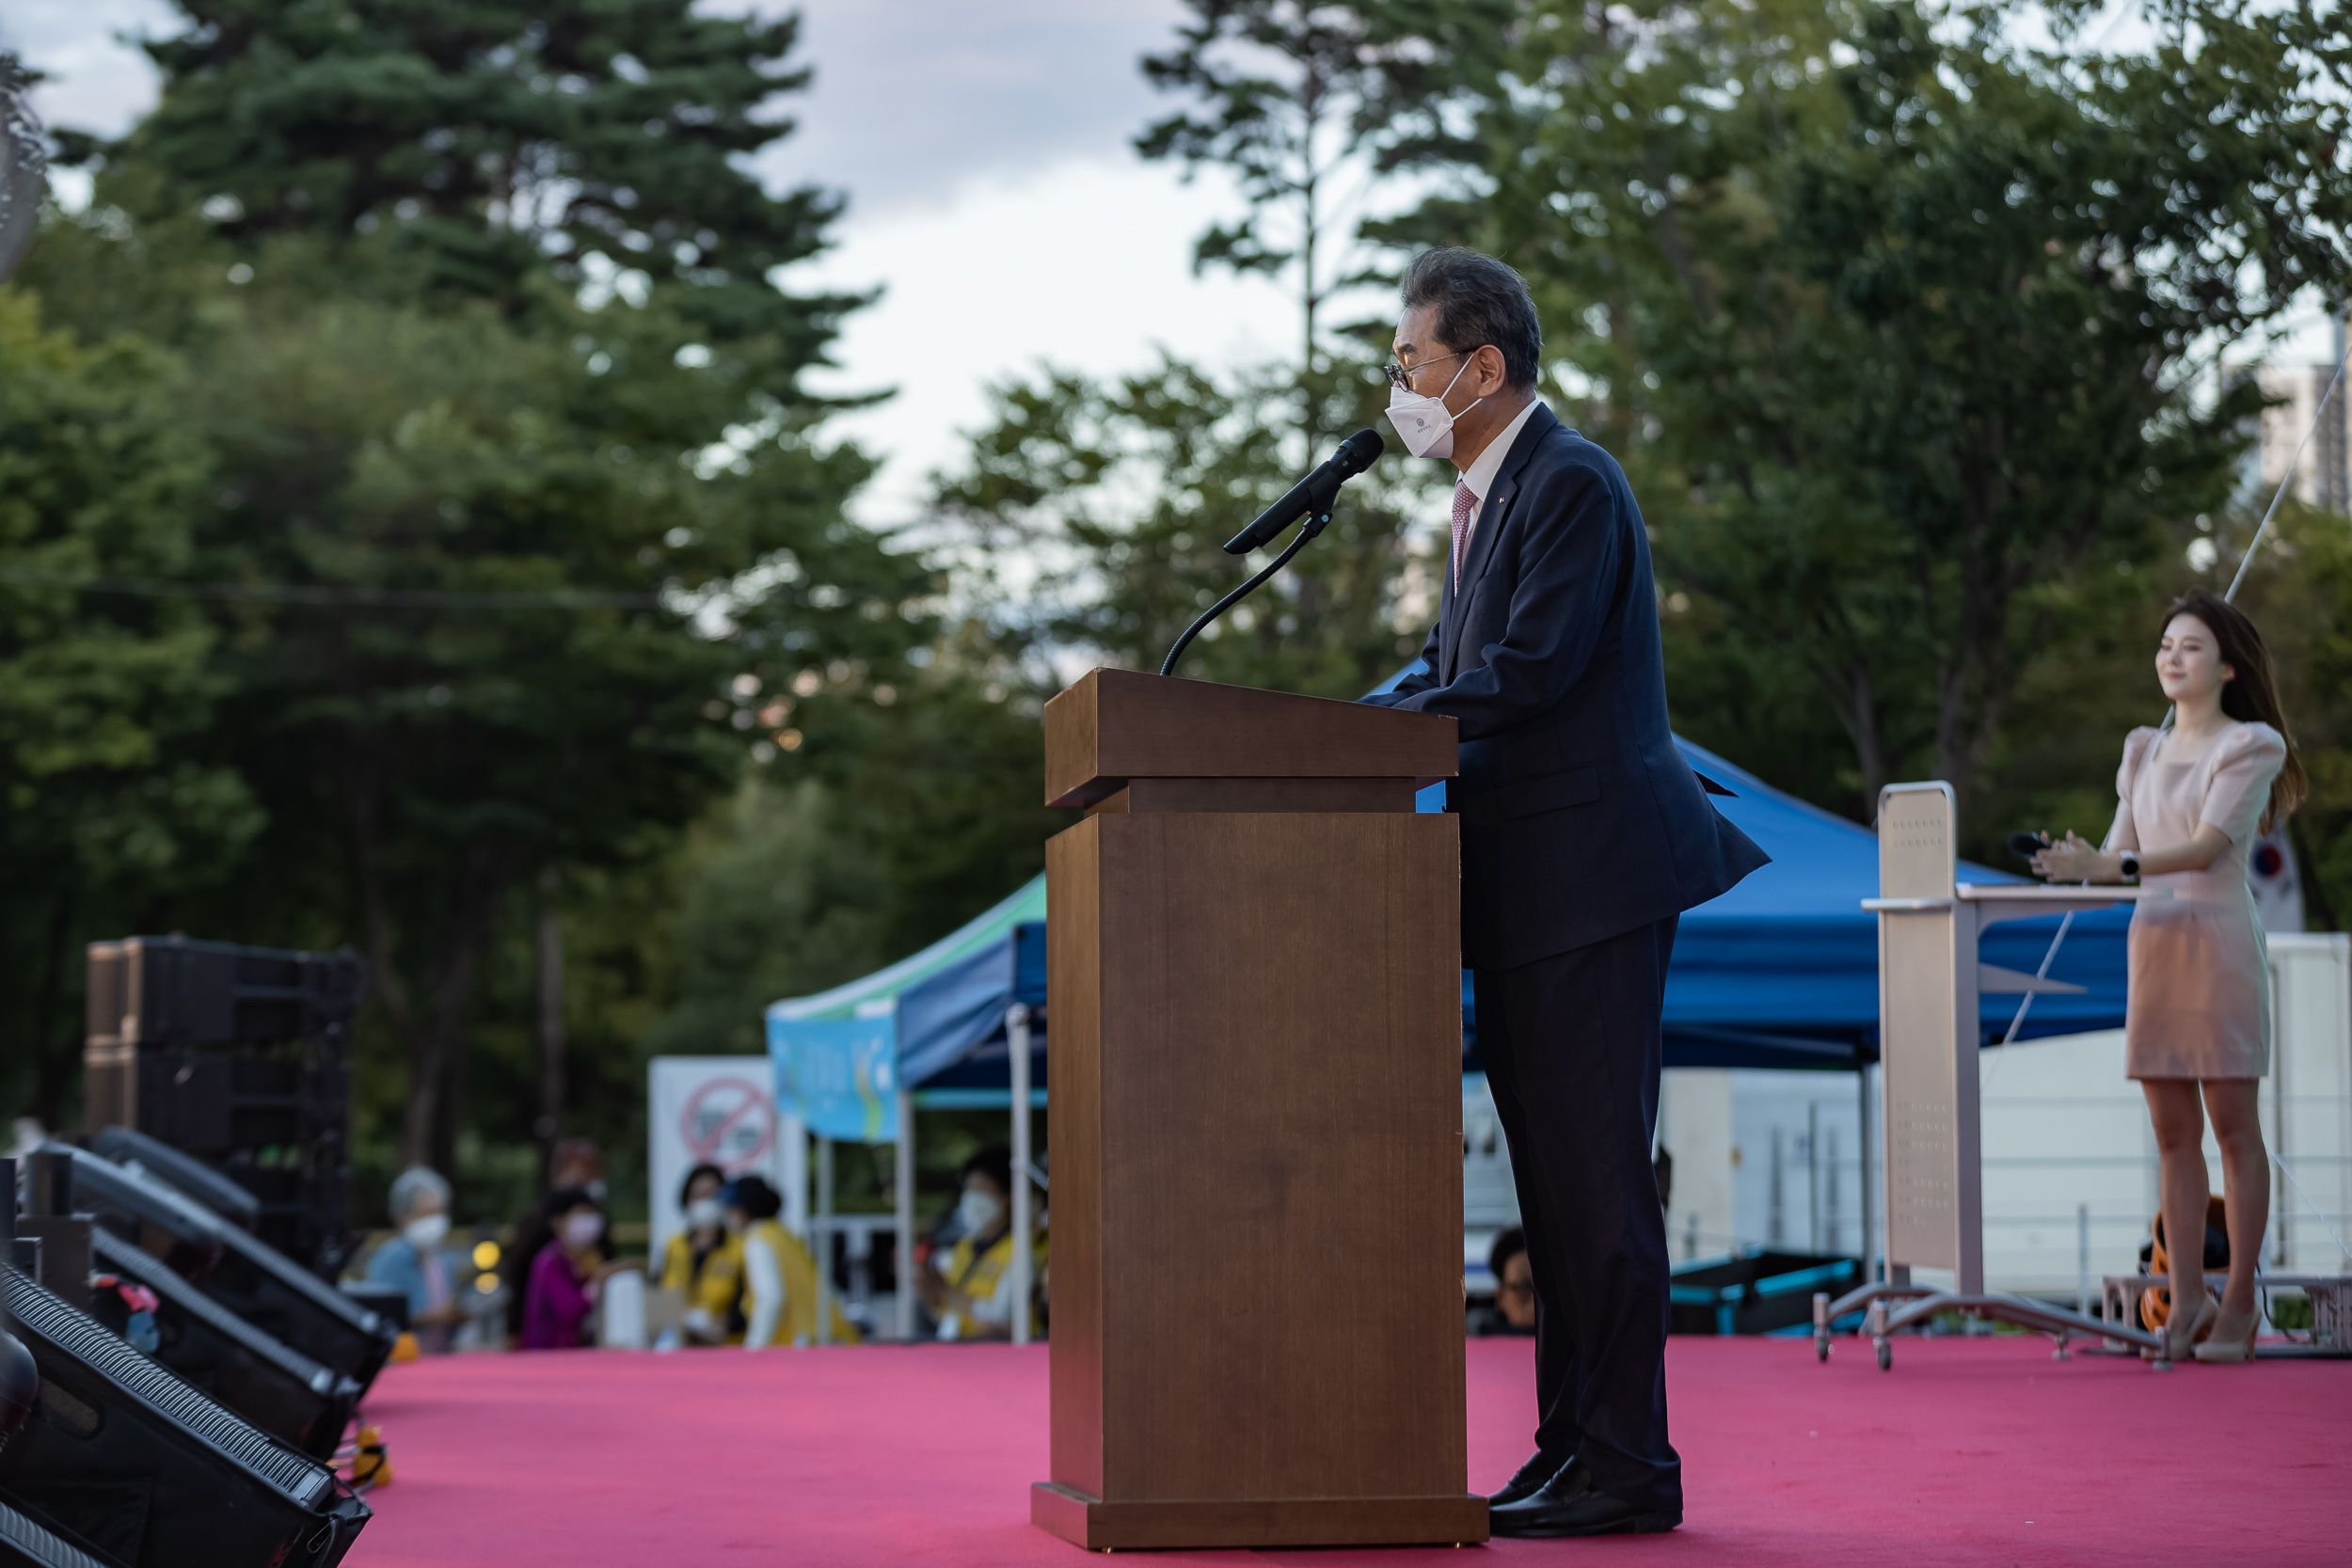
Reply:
x=2199, y=999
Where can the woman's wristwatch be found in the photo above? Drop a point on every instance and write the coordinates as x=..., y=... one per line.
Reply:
x=2131, y=865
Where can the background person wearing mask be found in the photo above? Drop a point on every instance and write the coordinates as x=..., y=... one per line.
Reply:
x=416, y=1262
x=971, y=1291
x=779, y=1275
x=566, y=1275
x=704, y=1262
x=574, y=1163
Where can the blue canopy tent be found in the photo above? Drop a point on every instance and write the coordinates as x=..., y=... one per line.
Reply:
x=1781, y=972
x=839, y=1061
x=952, y=1036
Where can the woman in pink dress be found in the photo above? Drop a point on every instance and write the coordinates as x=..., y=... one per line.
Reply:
x=2191, y=799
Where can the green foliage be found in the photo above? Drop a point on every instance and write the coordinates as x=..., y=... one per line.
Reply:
x=494, y=404
x=492, y=142
x=1128, y=491
x=1895, y=326
x=2299, y=593
x=1305, y=103
x=106, y=789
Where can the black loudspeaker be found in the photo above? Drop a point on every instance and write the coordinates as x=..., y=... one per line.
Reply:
x=126, y=1461
x=278, y=1388
x=238, y=1270
x=237, y=1057
x=184, y=1174
x=25, y=1544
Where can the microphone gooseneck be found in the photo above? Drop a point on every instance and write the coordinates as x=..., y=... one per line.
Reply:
x=1311, y=497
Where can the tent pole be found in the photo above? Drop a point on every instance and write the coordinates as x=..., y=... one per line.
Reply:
x=904, y=1180
x=1017, y=1043
x=1862, y=1080
x=822, y=1235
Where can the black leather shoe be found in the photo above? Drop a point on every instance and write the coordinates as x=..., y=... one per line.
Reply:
x=1569, y=1504
x=1528, y=1481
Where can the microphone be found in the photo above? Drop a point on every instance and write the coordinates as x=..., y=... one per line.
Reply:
x=1312, y=495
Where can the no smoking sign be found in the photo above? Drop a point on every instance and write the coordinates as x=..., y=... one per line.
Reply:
x=729, y=1122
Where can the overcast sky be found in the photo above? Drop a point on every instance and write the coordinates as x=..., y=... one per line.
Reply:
x=993, y=196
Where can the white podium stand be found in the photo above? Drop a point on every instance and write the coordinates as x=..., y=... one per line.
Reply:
x=1929, y=979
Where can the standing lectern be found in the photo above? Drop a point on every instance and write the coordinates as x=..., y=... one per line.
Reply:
x=1930, y=1032
x=1253, y=977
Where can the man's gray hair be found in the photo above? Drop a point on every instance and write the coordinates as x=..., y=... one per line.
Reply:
x=413, y=1183
x=1479, y=301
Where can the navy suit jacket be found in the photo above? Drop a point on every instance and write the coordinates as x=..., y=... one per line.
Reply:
x=1579, y=819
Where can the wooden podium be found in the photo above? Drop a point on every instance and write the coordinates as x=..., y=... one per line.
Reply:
x=1254, y=982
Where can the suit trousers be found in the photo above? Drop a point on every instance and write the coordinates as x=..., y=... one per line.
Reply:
x=1572, y=1047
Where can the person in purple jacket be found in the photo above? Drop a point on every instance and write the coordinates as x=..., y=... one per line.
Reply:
x=566, y=1273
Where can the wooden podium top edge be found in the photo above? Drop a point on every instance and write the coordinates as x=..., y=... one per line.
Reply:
x=1113, y=725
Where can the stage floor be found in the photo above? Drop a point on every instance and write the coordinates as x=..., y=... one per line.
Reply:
x=1969, y=1452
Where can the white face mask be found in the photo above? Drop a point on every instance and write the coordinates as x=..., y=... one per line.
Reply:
x=426, y=1231
x=704, y=1213
x=1424, y=423
x=582, y=1230
x=976, y=1211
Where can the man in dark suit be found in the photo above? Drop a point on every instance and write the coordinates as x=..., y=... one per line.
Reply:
x=1584, y=837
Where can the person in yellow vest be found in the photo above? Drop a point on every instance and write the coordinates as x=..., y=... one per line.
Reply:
x=779, y=1275
x=969, y=1287
x=704, y=1262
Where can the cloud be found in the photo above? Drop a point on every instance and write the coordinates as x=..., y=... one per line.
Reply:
x=98, y=81
x=913, y=98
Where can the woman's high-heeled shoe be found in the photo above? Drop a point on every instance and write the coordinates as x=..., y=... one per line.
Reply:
x=2181, y=1334
x=2225, y=1348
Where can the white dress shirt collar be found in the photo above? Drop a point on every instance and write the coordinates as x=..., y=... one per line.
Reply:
x=1480, y=476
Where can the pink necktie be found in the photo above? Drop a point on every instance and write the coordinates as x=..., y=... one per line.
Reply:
x=1465, y=508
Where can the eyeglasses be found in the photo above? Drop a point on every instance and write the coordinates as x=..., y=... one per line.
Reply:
x=1401, y=376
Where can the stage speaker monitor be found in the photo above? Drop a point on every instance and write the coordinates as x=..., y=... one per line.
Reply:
x=184, y=1174
x=126, y=1461
x=276, y=1387
x=241, y=1272
x=25, y=1544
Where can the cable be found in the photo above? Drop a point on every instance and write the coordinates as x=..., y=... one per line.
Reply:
x=2248, y=559
x=1307, y=530
x=2317, y=1212
x=2042, y=974
x=278, y=592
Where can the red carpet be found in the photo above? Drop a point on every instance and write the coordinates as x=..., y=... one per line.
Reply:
x=1970, y=1451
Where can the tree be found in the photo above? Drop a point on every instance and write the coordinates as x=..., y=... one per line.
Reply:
x=1898, y=325
x=1293, y=97
x=2299, y=593
x=510, y=515
x=1127, y=492
x=602, y=142
x=105, y=789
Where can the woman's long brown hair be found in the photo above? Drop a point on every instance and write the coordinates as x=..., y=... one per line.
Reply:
x=2251, y=694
